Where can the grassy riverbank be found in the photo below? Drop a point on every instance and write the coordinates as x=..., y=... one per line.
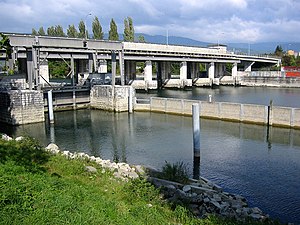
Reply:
x=37, y=188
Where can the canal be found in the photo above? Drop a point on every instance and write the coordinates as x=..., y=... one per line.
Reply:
x=241, y=158
x=289, y=97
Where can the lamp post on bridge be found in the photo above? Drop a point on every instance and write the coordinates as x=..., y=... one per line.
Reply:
x=85, y=31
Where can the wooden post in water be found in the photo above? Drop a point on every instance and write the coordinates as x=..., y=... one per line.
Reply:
x=50, y=107
x=196, y=129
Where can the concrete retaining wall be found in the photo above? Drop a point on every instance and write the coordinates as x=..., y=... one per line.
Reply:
x=21, y=107
x=110, y=98
x=248, y=113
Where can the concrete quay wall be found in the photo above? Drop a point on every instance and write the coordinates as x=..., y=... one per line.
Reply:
x=107, y=97
x=247, y=113
x=21, y=107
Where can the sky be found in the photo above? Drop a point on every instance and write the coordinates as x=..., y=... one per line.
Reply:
x=235, y=21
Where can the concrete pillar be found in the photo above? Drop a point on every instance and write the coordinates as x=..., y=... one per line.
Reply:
x=126, y=71
x=165, y=70
x=44, y=72
x=29, y=68
x=122, y=69
x=183, y=71
x=248, y=66
x=193, y=69
x=148, y=71
x=234, y=70
x=95, y=62
x=35, y=62
x=133, y=70
x=113, y=68
x=91, y=63
x=211, y=70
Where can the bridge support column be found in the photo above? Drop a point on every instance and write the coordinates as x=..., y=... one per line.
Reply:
x=165, y=70
x=122, y=65
x=183, y=71
x=148, y=71
x=44, y=72
x=193, y=69
x=248, y=66
x=29, y=68
x=219, y=69
x=130, y=70
x=91, y=63
x=234, y=71
x=211, y=70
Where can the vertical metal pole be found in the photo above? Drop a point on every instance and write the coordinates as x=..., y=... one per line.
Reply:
x=50, y=107
x=196, y=129
x=73, y=81
x=113, y=68
x=130, y=108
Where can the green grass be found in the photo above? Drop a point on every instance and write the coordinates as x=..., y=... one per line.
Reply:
x=53, y=190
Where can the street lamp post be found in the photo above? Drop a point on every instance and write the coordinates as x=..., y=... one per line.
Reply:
x=85, y=31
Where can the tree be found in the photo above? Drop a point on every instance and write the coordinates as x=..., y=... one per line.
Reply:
x=41, y=31
x=5, y=44
x=128, y=29
x=34, y=32
x=59, y=31
x=113, y=32
x=97, y=29
x=82, y=30
x=278, y=51
x=288, y=60
x=141, y=39
x=51, y=31
x=72, y=32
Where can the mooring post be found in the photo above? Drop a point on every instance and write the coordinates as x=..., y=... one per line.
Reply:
x=209, y=98
x=50, y=107
x=196, y=129
x=130, y=99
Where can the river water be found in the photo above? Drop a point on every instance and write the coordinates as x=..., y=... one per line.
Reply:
x=243, y=159
x=289, y=97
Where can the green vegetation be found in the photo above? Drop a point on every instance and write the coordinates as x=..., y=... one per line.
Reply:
x=97, y=29
x=38, y=188
x=128, y=29
x=113, y=31
x=177, y=172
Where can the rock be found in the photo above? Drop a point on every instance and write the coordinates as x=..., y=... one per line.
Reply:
x=216, y=204
x=255, y=216
x=53, y=148
x=140, y=170
x=187, y=188
x=19, y=138
x=217, y=198
x=200, y=190
x=256, y=210
x=132, y=175
x=6, y=137
x=181, y=194
x=90, y=169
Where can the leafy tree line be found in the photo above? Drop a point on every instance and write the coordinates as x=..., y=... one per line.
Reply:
x=286, y=59
x=82, y=32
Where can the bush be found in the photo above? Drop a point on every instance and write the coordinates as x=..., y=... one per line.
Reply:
x=177, y=172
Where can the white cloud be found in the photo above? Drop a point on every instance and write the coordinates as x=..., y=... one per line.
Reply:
x=236, y=20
